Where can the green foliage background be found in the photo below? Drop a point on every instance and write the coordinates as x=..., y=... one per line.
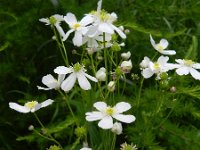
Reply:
x=27, y=53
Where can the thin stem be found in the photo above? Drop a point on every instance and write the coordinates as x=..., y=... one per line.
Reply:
x=105, y=56
x=70, y=109
x=140, y=91
x=113, y=142
x=65, y=52
x=58, y=43
x=94, y=71
x=50, y=136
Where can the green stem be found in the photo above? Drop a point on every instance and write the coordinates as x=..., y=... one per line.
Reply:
x=105, y=56
x=65, y=52
x=70, y=109
x=113, y=142
x=140, y=91
x=50, y=136
x=58, y=43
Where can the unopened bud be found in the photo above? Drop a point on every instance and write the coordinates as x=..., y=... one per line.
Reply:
x=126, y=66
x=126, y=56
x=117, y=128
x=101, y=74
x=31, y=127
x=126, y=31
x=111, y=86
x=173, y=89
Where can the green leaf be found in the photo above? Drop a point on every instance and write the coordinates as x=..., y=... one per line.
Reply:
x=4, y=46
x=193, y=49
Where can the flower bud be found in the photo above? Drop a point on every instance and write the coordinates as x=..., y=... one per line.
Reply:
x=173, y=89
x=80, y=132
x=126, y=31
x=145, y=63
x=116, y=47
x=117, y=128
x=85, y=148
x=126, y=66
x=111, y=86
x=101, y=74
x=126, y=56
x=31, y=127
x=54, y=147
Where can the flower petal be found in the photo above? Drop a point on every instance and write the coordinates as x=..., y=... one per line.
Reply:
x=106, y=122
x=164, y=43
x=47, y=103
x=60, y=30
x=83, y=81
x=86, y=20
x=62, y=70
x=90, y=77
x=101, y=106
x=37, y=107
x=153, y=43
x=121, y=34
x=122, y=107
x=43, y=88
x=78, y=39
x=163, y=60
x=93, y=116
x=147, y=73
x=49, y=81
x=67, y=34
x=195, y=74
x=182, y=71
x=196, y=65
x=124, y=118
x=104, y=27
x=19, y=108
x=168, y=52
x=70, y=19
x=68, y=83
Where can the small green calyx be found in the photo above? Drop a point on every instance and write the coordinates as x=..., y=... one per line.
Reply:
x=77, y=67
x=118, y=71
x=115, y=47
x=54, y=147
x=52, y=20
x=80, y=132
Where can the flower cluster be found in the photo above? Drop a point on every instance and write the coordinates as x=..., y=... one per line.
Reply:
x=94, y=29
x=184, y=66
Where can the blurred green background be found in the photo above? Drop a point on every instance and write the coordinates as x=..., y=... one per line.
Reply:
x=27, y=51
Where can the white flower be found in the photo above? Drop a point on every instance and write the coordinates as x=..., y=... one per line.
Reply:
x=126, y=55
x=54, y=20
x=126, y=66
x=126, y=146
x=157, y=67
x=111, y=86
x=31, y=106
x=117, y=128
x=186, y=67
x=161, y=46
x=101, y=74
x=53, y=83
x=105, y=20
x=77, y=72
x=106, y=114
x=80, y=28
x=85, y=148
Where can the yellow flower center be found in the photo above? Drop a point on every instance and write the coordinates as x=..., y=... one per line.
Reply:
x=188, y=62
x=160, y=47
x=76, y=26
x=156, y=65
x=110, y=111
x=31, y=104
